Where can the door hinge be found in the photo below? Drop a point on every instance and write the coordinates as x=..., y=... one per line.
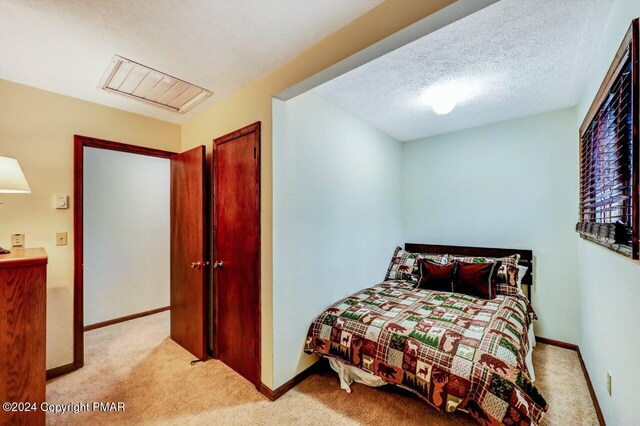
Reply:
x=254, y=152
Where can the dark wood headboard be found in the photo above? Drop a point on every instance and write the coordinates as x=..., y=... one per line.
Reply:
x=526, y=256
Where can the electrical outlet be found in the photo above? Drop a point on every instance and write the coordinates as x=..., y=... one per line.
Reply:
x=609, y=382
x=17, y=240
x=61, y=239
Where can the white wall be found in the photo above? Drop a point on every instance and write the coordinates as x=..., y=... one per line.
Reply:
x=126, y=234
x=609, y=284
x=511, y=184
x=336, y=215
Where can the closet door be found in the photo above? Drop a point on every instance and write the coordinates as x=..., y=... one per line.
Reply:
x=189, y=263
x=236, y=250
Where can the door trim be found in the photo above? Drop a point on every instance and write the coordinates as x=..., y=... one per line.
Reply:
x=79, y=143
x=251, y=128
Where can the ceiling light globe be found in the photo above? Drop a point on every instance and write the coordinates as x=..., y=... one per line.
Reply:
x=443, y=106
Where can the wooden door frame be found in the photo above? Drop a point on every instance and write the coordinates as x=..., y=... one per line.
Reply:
x=79, y=143
x=251, y=128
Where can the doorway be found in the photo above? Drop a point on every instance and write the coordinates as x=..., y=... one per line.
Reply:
x=236, y=250
x=185, y=174
x=125, y=236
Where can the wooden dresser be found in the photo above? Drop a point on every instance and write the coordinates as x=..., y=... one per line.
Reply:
x=23, y=277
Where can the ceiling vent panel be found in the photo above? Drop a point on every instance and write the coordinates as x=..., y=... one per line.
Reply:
x=176, y=90
x=160, y=89
x=135, y=80
x=147, y=84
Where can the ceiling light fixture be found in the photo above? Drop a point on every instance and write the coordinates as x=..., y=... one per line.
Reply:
x=443, y=104
x=444, y=97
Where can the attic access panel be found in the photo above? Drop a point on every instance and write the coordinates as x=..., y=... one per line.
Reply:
x=138, y=81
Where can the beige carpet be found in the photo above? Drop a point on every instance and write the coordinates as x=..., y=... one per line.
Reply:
x=134, y=362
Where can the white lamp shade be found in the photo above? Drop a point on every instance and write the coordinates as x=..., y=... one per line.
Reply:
x=12, y=179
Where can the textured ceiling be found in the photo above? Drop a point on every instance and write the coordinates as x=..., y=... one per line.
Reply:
x=64, y=46
x=511, y=59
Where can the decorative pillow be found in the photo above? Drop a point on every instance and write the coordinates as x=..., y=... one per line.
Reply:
x=522, y=270
x=404, y=265
x=509, y=277
x=513, y=285
x=477, y=279
x=434, y=276
x=513, y=282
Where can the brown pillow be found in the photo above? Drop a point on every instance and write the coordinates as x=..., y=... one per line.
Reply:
x=477, y=279
x=508, y=274
x=434, y=276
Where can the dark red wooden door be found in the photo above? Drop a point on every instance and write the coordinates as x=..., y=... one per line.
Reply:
x=236, y=250
x=188, y=251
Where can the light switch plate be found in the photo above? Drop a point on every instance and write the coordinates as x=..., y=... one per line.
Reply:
x=61, y=238
x=62, y=202
x=17, y=240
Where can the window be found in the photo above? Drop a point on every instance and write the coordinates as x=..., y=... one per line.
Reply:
x=609, y=188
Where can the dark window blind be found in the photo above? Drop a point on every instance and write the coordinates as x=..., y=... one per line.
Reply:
x=608, y=161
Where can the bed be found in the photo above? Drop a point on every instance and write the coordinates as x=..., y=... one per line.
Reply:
x=454, y=351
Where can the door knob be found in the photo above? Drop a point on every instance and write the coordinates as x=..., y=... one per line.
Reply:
x=218, y=264
x=199, y=265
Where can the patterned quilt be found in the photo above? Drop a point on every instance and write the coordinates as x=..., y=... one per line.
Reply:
x=452, y=350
